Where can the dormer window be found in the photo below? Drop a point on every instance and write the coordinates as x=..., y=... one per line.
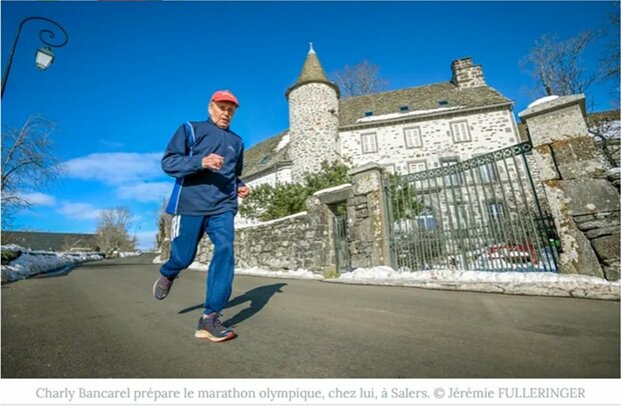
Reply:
x=368, y=113
x=404, y=108
x=443, y=102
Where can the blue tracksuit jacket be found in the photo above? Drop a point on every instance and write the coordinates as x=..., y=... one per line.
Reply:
x=201, y=191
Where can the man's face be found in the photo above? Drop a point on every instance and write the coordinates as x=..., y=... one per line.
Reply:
x=221, y=113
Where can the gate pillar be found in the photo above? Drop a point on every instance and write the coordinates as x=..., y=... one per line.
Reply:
x=323, y=209
x=584, y=204
x=368, y=218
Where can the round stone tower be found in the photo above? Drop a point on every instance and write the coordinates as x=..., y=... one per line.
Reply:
x=313, y=119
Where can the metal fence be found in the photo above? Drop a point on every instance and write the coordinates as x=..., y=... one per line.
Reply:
x=482, y=214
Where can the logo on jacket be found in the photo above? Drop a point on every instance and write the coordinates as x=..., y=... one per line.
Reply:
x=231, y=147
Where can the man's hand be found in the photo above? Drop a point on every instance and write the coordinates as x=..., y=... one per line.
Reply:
x=212, y=162
x=243, y=191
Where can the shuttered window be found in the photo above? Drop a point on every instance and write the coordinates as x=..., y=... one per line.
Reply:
x=412, y=137
x=460, y=131
x=369, y=143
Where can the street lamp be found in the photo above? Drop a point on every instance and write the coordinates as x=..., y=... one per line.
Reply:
x=44, y=56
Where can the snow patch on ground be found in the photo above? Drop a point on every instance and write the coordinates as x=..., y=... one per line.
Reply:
x=256, y=271
x=31, y=263
x=516, y=283
x=128, y=254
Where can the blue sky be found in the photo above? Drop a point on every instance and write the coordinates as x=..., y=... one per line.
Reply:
x=132, y=72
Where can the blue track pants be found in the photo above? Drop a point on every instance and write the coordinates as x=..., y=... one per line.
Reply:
x=187, y=230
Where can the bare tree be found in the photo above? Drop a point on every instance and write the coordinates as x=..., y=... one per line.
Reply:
x=28, y=163
x=606, y=130
x=361, y=79
x=556, y=65
x=163, y=225
x=112, y=231
x=609, y=62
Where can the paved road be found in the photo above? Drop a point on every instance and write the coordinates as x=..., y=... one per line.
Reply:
x=100, y=321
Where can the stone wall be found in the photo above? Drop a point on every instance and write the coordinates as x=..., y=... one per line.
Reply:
x=306, y=240
x=290, y=243
x=583, y=193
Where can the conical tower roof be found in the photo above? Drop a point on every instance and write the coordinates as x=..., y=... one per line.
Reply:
x=312, y=71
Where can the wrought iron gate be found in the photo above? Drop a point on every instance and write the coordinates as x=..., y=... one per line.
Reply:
x=341, y=245
x=485, y=213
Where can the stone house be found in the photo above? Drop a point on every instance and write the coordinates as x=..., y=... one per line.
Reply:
x=487, y=209
x=405, y=131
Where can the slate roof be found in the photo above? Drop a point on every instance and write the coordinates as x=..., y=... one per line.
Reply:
x=418, y=98
x=49, y=241
x=264, y=156
x=312, y=71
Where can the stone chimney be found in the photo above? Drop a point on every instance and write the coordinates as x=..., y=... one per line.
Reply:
x=466, y=75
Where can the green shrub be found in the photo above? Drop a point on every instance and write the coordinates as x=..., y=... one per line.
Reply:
x=268, y=202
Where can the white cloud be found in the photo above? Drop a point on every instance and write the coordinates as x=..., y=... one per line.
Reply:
x=80, y=211
x=115, y=168
x=38, y=198
x=145, y=192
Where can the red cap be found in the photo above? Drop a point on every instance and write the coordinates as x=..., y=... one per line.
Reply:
x=224, y=96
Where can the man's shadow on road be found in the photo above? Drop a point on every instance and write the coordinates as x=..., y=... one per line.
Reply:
x=258, y=298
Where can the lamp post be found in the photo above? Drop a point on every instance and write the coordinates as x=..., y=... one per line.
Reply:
x=44, y=56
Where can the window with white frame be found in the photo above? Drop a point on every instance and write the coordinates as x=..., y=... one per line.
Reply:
x=369, y=142
x=495, y=210
x=456, y=176
x=416, y=167
x=412, y=137
x=460, y=131
x=487, y=172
